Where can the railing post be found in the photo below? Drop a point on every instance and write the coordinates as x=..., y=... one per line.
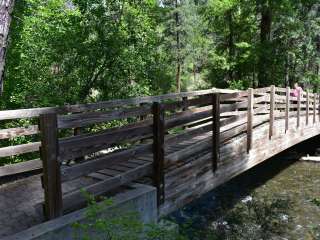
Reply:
x=287, y=108
x=307, y=108
x=250, y=119
x=185, y=107
x=314, y=107
x=272, y=105
x=298, y=109
x=51, y=166
x=158, y=150
x=215, y=130
x=319, y=105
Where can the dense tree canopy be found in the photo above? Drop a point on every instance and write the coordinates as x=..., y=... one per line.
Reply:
x=68, y=51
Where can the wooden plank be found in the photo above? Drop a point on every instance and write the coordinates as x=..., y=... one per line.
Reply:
x=215, y=131
x=82, y=169
x=78, y=146
x=288, y=91
x=89, y=118
x=189, y=116
x=225, y=97
x=18, y=168
x=272, y=105
x=186, y=103
x=158, y=150
x=250, y=114
x=307, y=109
x=35, y=112
x=314, y=107
x=19, y=149
x=262, y=90
x=18, y=132
x=51, y=166
x=76, y=199
x=318, y=106
x=298, y=110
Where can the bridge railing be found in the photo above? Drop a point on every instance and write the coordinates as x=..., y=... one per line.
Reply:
x=79, y=140
x=20, y=136
x=129, y=129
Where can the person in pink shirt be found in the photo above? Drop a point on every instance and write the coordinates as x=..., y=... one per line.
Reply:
x=296, y=90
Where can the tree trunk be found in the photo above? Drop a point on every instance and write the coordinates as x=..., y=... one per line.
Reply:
x=6, y=7
x=287, y=76
x=265, y=38
x=178, y=70
x=230, y=43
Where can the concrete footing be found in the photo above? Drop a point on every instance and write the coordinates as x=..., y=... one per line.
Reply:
x=139, y=198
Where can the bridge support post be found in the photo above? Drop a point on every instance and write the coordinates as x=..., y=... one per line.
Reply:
x=51, y=166
x=272, y=105
x=287, y=108
x=215, y=130
x=250, y=119
x=298, y=110
x=318, y=107
x=307, y=108
x=314, y=107
x=158, y=150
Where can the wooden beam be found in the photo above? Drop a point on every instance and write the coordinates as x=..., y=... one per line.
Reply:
x=298, y=110
x=19, y=149
x=51, y=166
x=250, y=118
x=272, y=105
x=19, y=168
x=314, y=107
x=158, y=150
x=215, y=130
x=287, y=108
x=307, y=108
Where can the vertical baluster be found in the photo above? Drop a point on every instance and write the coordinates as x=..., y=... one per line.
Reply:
x=298, y=110
x=287, y=108
x=307, y=108
x=215, y=130
x=314, y=107
x=51, y=166
x=158, y=150
x=272, y=105
x=250, y=118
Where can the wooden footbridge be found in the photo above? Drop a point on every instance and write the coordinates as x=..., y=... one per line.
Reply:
x=184, y=144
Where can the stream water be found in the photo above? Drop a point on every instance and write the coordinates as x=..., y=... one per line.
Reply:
x=279, y=199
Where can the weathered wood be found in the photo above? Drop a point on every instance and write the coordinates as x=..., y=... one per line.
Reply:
x=314, y=107
x=307, y=109
x=11, y=133
x=18, y=168
x=76, y=199
x=78, y=146
x=82, y=169
x=215, y=130
x=250, y=114
x=225, y=97
x=89, y=118
x=188, y=116
x=158, y=150
x=272, y=106
x=35, y=112
x=51, y=166
x=288, y=91
x=19, y=149
x=298, y=110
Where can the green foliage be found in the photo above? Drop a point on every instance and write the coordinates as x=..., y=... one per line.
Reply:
x=64, y=51
x=119, y=225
